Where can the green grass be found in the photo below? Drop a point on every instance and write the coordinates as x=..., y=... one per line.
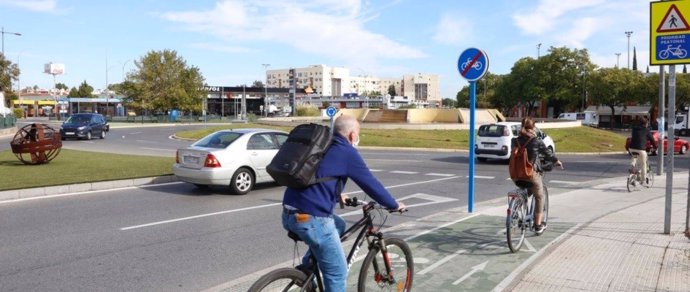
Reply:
x=72, y=166
x=579, y=139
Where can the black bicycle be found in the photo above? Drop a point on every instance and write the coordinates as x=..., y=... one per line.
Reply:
x=388, y=265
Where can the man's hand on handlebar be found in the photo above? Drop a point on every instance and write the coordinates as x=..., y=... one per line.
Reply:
x=401, y=207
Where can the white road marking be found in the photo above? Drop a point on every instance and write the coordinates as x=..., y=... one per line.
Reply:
x=404, y=172
x=440, y=262
x=85, y=193
x=268, y=205
x=392, y=160
x=482, y=177
x=564, y=182
x=529, y=246
x=158, y=149
x=375, y=170
x=199, y=216
x=135, y=133
x=440, y=226
x=475, y=269
x=439, y=174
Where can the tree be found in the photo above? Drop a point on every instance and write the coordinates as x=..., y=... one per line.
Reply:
x=566, y=80
x=449, y=102
x=391, y=90
x=634, y=67
x=61, y=86
x=162, y=81
x=8, y=73
x=614, y=87
x=257, y=84
x=523, y=86
x=84, y=90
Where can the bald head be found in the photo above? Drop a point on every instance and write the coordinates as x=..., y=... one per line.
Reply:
x=345, y=125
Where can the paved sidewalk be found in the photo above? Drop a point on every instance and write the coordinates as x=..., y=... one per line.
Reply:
x=621, y=251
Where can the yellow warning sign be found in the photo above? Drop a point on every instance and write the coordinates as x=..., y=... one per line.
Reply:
x=669, y=30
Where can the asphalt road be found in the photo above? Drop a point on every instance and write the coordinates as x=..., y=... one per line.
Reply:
x=175, y=237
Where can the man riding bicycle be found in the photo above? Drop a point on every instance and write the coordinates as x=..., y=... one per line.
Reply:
x=535, y=147
x=309, y=213
x=638, y=145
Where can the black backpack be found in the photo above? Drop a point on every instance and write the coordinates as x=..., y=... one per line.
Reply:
x=298, y=159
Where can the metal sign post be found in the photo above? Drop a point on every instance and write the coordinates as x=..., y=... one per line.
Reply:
x=472, y=64
x=330, y=111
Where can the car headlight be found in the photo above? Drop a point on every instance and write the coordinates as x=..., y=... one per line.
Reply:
x=81, y=128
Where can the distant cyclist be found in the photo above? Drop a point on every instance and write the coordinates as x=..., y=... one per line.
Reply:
x=535, y=147
x=638, y=145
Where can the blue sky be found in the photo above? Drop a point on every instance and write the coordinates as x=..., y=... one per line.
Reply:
x=230, y=39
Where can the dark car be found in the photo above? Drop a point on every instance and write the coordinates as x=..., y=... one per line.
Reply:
x=84, y=126
x=679, y=145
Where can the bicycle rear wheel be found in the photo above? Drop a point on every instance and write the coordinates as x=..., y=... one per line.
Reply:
x=284, y=279
x=515, y=224
x=373, y=275
x=632, y=182
x=650, y=178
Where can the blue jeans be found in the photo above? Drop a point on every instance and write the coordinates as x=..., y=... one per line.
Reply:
x=322, y=235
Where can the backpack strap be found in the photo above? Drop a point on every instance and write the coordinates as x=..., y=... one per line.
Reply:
x=524, y=145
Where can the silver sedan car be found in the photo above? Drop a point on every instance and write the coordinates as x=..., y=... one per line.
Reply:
x=235, y=158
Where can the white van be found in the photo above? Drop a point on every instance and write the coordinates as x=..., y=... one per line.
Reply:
x=588, y=118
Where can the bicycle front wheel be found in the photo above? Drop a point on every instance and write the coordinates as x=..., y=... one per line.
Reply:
x=284, y=279
x=373, y=275
x=515, y=224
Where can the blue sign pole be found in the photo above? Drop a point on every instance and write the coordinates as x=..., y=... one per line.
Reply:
x=473, y=63
x=470, y=190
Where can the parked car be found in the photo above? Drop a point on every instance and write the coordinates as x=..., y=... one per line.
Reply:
x=234, y=158
x=494, y=140
x=679, y=145
x=84, y=126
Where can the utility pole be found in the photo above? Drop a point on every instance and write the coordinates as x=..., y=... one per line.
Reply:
x=628, y=33
x=266, y=89
x=538, y=50
x=618, y=58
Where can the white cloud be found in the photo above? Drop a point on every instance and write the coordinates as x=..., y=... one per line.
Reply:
x=33, y=5
x=453, y=30
x=546, y=16
x=332, y=28
x=581, y=30
x=220, y=48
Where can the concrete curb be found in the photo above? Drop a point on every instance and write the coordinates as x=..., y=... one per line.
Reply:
x=83, y=187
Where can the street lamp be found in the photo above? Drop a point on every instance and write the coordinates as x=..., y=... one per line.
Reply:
x=266, y=89
x=123, y=69
x=628, y=33
x=538, y=50
x=618, y=57
x=3, y=32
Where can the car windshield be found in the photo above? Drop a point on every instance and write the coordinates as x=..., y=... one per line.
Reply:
x=491, y=131
x=218, y=140
x=78, y=120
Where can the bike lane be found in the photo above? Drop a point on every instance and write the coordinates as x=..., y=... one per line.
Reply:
x=470, y=254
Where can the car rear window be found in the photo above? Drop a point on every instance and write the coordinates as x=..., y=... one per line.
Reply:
x=491, y=131
x=218, y=140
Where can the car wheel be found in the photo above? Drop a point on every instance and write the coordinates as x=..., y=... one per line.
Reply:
x=683, y=149
x=102, y=134
x=88, y=135
x=551, y=148
x=242, y=181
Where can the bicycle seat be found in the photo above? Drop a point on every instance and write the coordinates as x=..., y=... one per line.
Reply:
x=294, y=236
x=523, y=184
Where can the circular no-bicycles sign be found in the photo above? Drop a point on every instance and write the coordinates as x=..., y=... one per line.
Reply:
x=473, y=64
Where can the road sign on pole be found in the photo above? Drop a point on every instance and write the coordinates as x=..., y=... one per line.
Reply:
x=472, y=64
x=330, y=111
x=669, y=40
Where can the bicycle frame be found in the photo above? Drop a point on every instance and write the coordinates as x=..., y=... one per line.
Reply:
x=365, y=225
x=524, y=197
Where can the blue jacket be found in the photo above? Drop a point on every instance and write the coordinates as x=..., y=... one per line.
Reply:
x=344, y=161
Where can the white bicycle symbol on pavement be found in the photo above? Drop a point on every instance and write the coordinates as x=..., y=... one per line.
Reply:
x=676, y=52
x=477, y=65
